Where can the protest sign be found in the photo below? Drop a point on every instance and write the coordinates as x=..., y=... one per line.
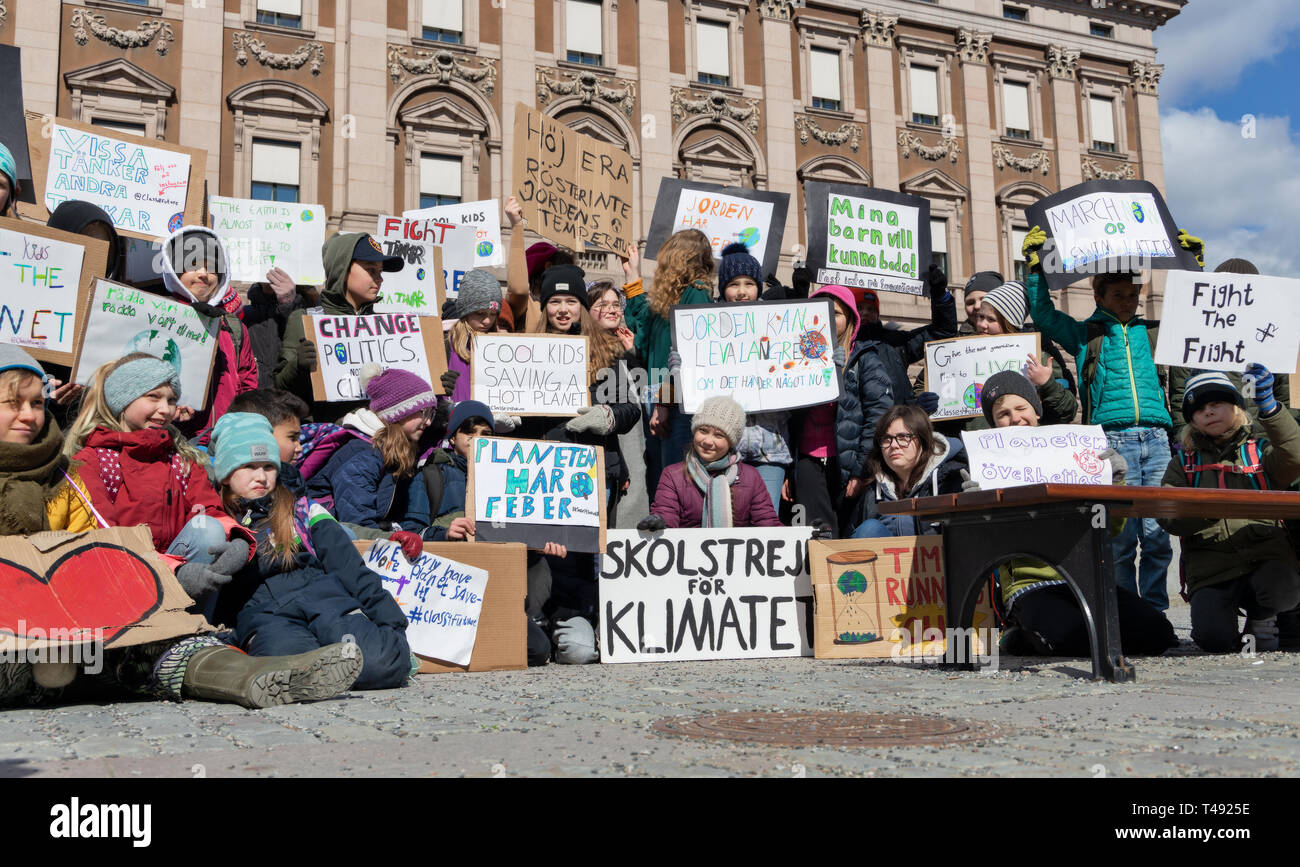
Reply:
x=956, y=369
x=717, y=593
x=756, y=218
x=346, y=343
x=1101, y=227
x=141, y=261
x=767, y=355
x=13, y=124
x=469, y=234
x=419, y=287
x=866, y=238
x=1221, y=321
x=524, y=374
x=45, y=278
x=123, y=319
x=1061, y=454
x=538, y=491
x=441, y=598
x=575, y=189
x=262, y=235
x=879, y=598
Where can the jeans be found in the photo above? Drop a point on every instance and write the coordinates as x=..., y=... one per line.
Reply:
x=1146, y=450
x=773, y=476
x=884, y=527
x=191, y=544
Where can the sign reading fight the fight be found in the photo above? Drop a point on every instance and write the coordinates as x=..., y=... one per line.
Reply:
x=1226, y=321
x=469, y=234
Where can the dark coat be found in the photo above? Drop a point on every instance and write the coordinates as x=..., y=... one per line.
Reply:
x=680, y=502
x=626, y=417
x=265, y=318
x=942, y=476
x=911, y=344
x=874, y=380
x=358, y=490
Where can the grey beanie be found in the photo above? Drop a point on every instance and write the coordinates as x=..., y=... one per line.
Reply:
x=1008, y=382
x=136, y=378
x=723, y=413
x=479, y=290
x=14, y=358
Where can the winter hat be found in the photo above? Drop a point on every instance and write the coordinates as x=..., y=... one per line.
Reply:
x=537, y=255
x=10, y=167
x=1207, y=387
x=723, y=413
x=737, y=262
x=74, y=216
x=240, y=438
x=394, y=393
x=185, y=250
x=564, y=280
x=1011, y=300
x=14, y=358
x=136, y=378
x=479, y=290
x=984, y=281
x=844, y=295
x=466, y=410
x=1237, y=266
x=862, y=295
x=1008, y=382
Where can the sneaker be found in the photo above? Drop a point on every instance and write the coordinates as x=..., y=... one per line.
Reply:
x=1265, y=632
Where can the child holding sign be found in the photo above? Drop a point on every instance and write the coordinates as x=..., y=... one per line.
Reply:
x=477, y=308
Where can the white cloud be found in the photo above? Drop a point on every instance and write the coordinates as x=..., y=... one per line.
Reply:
x=1241, y=195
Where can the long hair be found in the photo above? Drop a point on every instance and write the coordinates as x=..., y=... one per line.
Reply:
x=687, y=256
x=396, y=450
x=1187, y=438
x=462, y=340
x=284, y=536
x=845, y=337
x=918, y=423
x=603, y=347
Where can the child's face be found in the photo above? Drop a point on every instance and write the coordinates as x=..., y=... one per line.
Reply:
x=743, y=288
x=986, y=320
x=22, y=416
x=98, y=229
x=5, y=192
x=1122, y=299
x=200, y=283
x=710, y=443
x=254, y=481
x=463, y=440
x=1012, y=410
x=841, y=320
x=900, y=454
x=562, y=312
x=414, y=425
x=1215, y=419
x=286, y=434
x=607, y=311
x=149, y=411
x=364, y=280
x=481, y=321
x=973, y=300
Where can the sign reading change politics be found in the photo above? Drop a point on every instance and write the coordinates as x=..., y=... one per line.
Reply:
x=767, y=355
x=1060, y=454
x=755, y=218
x=1221, y=321
x=956, y=369
x=519, y=374
x=262, y=235
x=345, y=343
x=1102, y=227
x=866, y=238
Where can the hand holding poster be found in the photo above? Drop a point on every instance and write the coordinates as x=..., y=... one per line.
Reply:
x=767, y=355
x=1219, y=321
x=45, y=279
x=956, y=369
x=862, y=237
x=418, y=288
x=755, y=218
x=518, y=374
x=1061, y=454
x=346, y=343
x=261, y=235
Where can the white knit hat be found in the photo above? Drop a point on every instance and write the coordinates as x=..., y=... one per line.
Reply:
x=722, y=413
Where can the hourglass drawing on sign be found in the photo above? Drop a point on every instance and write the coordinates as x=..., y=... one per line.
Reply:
x=855, y=600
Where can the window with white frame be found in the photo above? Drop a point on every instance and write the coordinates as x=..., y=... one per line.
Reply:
x=1015, y=110
x=440, y=180
x=939, y=245
x=1101, y=113
x=1019, y=266
x=712, y=53
x=924, y=81
x=276, y=171
x=443, y=21
x=583, y=30
x=281, y=13
x=824, y=69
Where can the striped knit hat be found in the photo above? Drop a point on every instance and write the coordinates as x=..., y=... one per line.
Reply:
x=1009, y=299
x=396, y=394
x=1206, y=387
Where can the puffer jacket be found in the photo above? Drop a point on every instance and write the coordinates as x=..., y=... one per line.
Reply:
x=911, y=344
x=874, y=380
x=626, y=417
x=942, y=476
x=452, y=475
x=354, y=485
x=1217, y=550
x=680, y=502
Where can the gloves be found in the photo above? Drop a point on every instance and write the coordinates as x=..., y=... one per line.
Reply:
x=838, y=355
x=199, y=579
x=674, y=363
x=1118, y=466
x=412, y=544
x=928, y=401
x=1193, y=245
x=507, y=423
x=573, y=642
x=937, y=281
x=772, y=282
x=1034, y=242
x=652, y=524
x=1263, y=381
x=968, y=485
x=307, y=357
x=591, y=419
x=821, y=529
x=801, y=281
x=231, y=556
x=448, y=380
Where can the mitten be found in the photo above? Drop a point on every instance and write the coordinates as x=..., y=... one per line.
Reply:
x=412, y=544
x=448, y=380
x=937, y=281
x=1263, y=380
x=591, y=419
x=573, y=642
x=1034, y=241
x=967, y=483
x=651, y=524
x=198, y=579
x=1193, y=245
x=507, y=423
x=928, y=401
x=231, y=556
x=307, y=358
x=1118, y=466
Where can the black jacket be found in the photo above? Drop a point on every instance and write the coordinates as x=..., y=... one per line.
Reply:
x=626, y=416
x=874, y=380
x=265, y=319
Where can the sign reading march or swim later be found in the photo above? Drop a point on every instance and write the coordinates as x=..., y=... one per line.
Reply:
x=956, y=369
x=718, y=593
x=346, y=343
x=1219, y=321
x=755, y=218
x=1061, y=454
x=866, y=238
x=527, y=374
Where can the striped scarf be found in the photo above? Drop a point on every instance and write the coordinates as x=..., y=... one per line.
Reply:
x=715, y=481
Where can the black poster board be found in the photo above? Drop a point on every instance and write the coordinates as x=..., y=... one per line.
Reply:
x=664, y=223
x=855, y=243
x=13, y=125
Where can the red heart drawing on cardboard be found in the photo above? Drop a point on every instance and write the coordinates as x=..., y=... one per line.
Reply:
x=94, y=587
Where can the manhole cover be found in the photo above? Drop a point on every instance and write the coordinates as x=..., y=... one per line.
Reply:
x=837, y=729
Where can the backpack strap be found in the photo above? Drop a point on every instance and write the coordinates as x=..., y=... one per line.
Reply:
x=1091, y=359
x=233, y=324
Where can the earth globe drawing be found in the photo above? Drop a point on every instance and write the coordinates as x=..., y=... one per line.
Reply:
x=813, y=344
x=749, y=236
x=419, y=274
x=851, y=582
x=972, y=396
x=484, y=249
x=582, y=486
x=157, y=343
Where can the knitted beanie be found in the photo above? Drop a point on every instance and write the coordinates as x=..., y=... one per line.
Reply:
x=14, y=358
x=983, y=281
x=1208, y=386
x=564, y=280
x=479, y=290
x=1011, y=300
x=240, y=438
x=722, y=413
x=737, y=262
x=466, y=410
x=863, y=295
x=394, y=393
x=537, y=255
x=136, y=378
x=1008, y=382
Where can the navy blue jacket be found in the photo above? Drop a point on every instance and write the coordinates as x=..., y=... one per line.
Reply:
x=874, y=380
x=357, y=489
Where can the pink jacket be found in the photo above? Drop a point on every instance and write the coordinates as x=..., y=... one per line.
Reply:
x=680, y=502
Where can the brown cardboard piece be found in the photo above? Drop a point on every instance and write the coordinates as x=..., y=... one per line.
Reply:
x=501, y=642
x=435, y=350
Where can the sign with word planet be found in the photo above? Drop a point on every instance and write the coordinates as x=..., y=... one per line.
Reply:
x=866, y=238
x=43, y=293
x=956, y=369
x=767, y=355
x=1060, y=454
x=523, y=374
x=1220, y=321
x=261, y=235
x=418, y=288
x=345, y=344
x=755, y=218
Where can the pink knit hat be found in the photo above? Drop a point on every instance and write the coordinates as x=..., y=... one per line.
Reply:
x=538, y=255
x=396, y=394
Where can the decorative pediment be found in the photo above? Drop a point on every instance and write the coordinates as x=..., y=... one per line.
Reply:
x=596, y=128
x=282, y=97
x=934, y=184
x=119, y=76
x=444, y=112
x=719, y=148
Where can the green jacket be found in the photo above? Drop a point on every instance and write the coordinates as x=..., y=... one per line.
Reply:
x=654, y=339
x=1217, y=550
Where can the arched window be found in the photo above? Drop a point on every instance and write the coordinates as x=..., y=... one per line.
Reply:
x=277, y=129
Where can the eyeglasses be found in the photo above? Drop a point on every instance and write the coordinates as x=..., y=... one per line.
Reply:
x=608, y=305
x=903, y=440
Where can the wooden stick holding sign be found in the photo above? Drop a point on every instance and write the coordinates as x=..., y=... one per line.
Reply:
x=957, y=368
x=530, y=374
x=345, y=343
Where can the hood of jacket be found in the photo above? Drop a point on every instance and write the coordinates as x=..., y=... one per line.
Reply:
x=74, y=216
x=336, y=255
x=141, y=445
x=949, y=448
x=845, y=295
x=224, y=291
x=447, y=456
x=363, y=420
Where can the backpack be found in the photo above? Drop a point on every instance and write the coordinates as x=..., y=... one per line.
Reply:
x=1092, y=358
x=233, y=324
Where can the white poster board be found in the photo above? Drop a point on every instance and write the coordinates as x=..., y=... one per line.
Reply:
x=39, y=282
x=1061, y=454
x=346, y=343
x=956, y=369
x=518, y=374
x=1104, y=225
x=416, y=288
x=442, y=599
x=262, y=235
x=724, y=218
x=1218, y=321
x=705, y=594
x=468, y=232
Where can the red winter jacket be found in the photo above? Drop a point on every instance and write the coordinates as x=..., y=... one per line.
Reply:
x=680, y=502
x=228, y=379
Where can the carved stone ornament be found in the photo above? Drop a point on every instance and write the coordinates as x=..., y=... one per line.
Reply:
x=142, y=36
x=1092, y=170
x=878, y=28
x=717, y=106
x=445, y=66
x=913, y=144
x=247, y=43
x=4, y=13
x=781, y=10
x=588, y=86
x=1146, y=76
x=973, y=45
x=847, y=132
x=1062, y=62
x=1003, y=157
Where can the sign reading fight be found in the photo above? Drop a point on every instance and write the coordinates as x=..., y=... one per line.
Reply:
x=575, y=189
x=956, y=369
x=1062, y=454
x=516, y=374
x=345, y=343
x=418, y=288
x=705, y=594
x=469, y=234
x=262, y=235
x=767, y=355
x=863, y=237
x=40, y=289
x=1219, y=321
x=755, y=218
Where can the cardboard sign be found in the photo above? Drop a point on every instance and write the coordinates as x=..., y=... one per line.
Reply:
x=124, y=320
x=538, y=491
x=1062, y=454
x=262, y=235
x=13, y=126
x=1216, y=321
x=768, y=355
x=469, y=234
x=45, y=278
x=726, y=214
x=419, y=287
x=1107, y=226
x=956, y=369
x=866, y=238
x=346, y=343
x=712, y=593
x=881, y=598
x=141, y=261
x=530, y=374
x=576, y=190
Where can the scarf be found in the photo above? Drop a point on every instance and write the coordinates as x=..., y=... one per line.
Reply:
x=29, y=477
x=715, y=481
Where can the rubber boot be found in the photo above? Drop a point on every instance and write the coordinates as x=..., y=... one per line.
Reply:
x=227, y=674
